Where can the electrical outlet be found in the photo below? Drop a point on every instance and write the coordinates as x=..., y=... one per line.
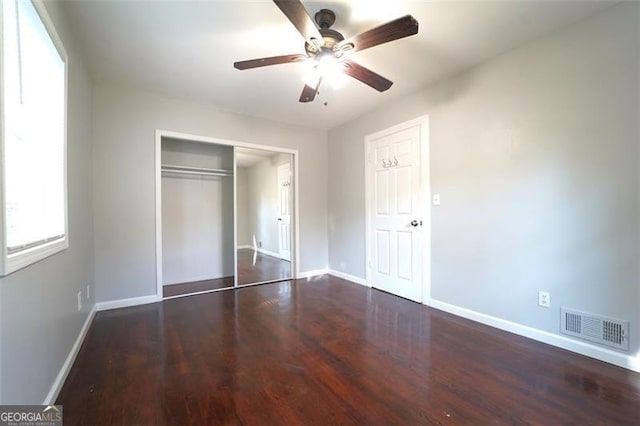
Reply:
x=88, y=293
x=436, y=199
x=544, y=299
x=80, y=300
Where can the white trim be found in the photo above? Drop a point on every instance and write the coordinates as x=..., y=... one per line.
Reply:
x=583, y=348
x=235, y=217
x=275, y=281
x=196, y=293
x=13, y=263
x=268, y=252
x=51, y=397
x=159, y=134
x=425, y=194
x=296, y=222
x=3, y=200
x=158, y=197
x=245, y=247
x=219, y=141
x=125, y=303
x=35, y=254
x=312, y=273
x=349, y=277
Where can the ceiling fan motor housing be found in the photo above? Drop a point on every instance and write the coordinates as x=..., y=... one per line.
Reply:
x=325, y=18
x=330, y=37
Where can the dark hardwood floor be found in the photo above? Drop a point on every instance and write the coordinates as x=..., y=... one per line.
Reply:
x=253, y=267
x=197, y=286
x=326, y=351
x=263, y=268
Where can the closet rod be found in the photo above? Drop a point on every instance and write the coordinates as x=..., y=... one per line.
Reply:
x=189, y=172
x=195, y=170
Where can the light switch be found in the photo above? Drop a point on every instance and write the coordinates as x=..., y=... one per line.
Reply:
x=436, y=199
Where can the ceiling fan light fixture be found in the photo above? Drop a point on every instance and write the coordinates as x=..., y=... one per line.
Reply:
x=311, y=77
x=315, y=45
x=326, y=63
x=344, y=52
x=330, y=69
x=327, y=68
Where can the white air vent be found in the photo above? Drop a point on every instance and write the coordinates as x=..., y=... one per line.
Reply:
x=597, y=328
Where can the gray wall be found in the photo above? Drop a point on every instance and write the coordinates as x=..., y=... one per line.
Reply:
x=39, y=321
x=124, y=124
x=536, y=156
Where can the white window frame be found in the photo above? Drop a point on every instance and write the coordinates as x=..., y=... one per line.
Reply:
x=11, y=263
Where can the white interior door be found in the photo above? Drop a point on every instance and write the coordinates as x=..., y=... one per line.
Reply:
x=284, y=211
x=395, y=213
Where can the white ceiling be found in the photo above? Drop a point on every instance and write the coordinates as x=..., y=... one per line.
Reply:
x=186, y=49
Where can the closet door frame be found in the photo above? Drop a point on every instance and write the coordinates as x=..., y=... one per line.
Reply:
x=295, y=255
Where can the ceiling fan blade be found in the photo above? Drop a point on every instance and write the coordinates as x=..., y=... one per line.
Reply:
x=309, y=93
x=366, y=76
x=392, y=30
x=274, y=60
x=297, y=14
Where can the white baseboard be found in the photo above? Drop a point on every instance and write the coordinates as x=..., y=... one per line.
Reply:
x=51, y=397
x=124, y=303
x=313, y=273
x=268, y=252
x=348, y=277
x=612, y=357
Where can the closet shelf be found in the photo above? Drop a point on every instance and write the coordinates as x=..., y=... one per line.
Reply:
x=170, y=168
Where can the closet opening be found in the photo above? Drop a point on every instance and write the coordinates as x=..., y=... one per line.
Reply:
x=263, y=200
x=226, y=214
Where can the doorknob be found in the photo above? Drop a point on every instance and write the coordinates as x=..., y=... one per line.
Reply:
x=280, y=218
x=414, y=223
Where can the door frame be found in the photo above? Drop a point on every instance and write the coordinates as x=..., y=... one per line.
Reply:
x=159, y=134
x=425, y=197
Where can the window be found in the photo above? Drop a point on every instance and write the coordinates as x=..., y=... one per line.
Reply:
x=33, y=89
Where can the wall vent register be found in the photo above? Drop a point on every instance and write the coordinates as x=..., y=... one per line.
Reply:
x=596, y=328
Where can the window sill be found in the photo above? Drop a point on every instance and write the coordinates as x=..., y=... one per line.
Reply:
x=23, y=259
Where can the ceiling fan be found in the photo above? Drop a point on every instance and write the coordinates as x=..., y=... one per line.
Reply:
x=329, y=49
